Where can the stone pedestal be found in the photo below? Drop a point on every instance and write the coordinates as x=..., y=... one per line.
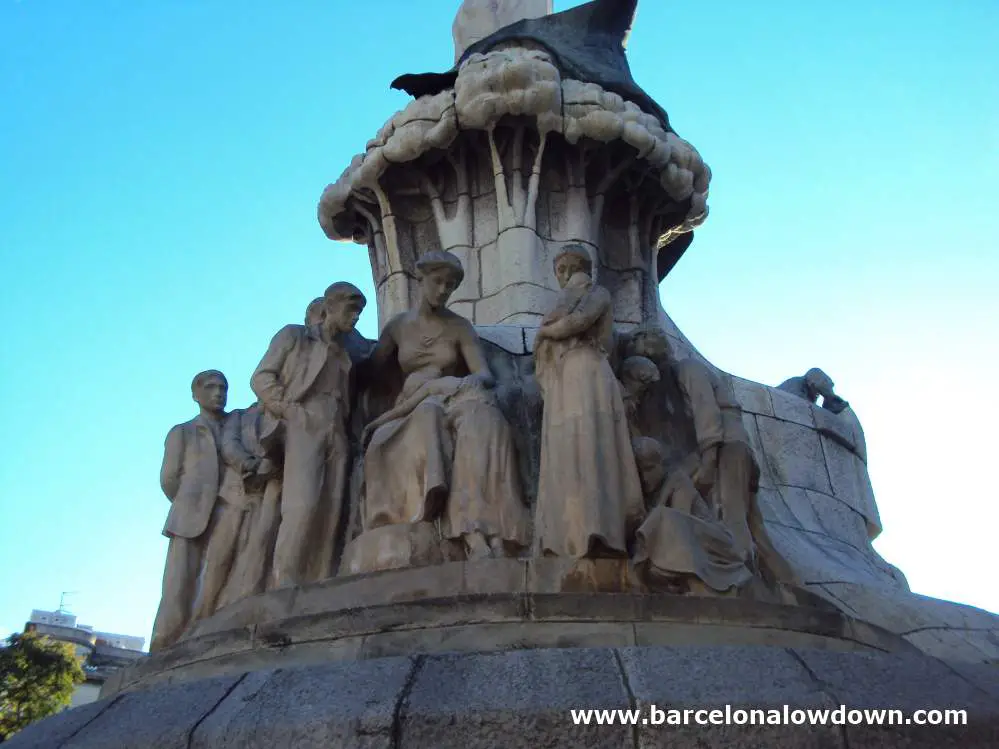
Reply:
x=525, y=699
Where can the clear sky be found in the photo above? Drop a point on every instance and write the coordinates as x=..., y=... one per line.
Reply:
x=160, y=165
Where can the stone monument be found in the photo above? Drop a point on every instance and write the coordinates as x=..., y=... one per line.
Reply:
x=531, y=494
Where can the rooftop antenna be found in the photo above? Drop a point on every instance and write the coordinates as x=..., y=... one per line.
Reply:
x=62, y=601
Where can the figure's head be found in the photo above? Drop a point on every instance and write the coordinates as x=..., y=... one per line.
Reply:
x=342, y=306
x=316, y=311
x=818, y=383
x=570, y=260
x=649, y=341
x=637, y=374
x=440, y=274
x=210, y=389
x=650, y=457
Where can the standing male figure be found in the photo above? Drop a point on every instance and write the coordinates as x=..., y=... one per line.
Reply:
x=238, y=554
x=304, y=385
x=190, y=479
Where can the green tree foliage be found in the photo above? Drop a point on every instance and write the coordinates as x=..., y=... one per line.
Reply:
x=37, y=678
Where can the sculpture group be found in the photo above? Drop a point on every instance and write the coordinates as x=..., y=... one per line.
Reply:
x=364, y=455
x=406, y=432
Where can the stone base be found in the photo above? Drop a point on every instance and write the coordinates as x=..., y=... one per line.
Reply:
x=525, y=698
x=488, y=605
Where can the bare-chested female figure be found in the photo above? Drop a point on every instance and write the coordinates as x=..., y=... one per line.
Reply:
x=446, y=451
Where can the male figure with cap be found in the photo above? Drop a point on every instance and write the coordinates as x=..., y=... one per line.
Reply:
x=190, y=479
x=304, y=383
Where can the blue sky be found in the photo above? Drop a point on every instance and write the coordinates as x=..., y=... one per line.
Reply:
x=160, y=165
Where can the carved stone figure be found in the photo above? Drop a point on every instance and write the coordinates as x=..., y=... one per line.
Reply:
x=315, y=311
x=638, y=374
x=477, y=19
x=239, y=552
x=190, y=479
x=813, y=384
x=304, y=385
x=681, y=541
x=588, y=42
x=589, y=492
x=445, y=450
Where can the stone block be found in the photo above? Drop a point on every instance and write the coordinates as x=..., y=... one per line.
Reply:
x=984, y=676
x=517, y=299
x=397, y=293
x=58, y=729
x=851, y=483
x=519, y=255
x=840, y=521
x=767, y=479
x=952, y=645
x=349, y=704
x=836, y=428
x=709, y=678
x=794, y=454
x=515, y=699
x=563, y=575
x=485, y=226
x=791, y=408
x=753, y=397
x=907, y=683
x=392, y=547
x=468, y=290
x=489, y=637
x=265, y=607
x=162, y=717
x=627, y=297
x=390, y=586
x=508, y=337
x=494, y=576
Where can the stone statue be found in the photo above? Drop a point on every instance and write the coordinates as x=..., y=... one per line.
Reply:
x=680, y=541
x=445, y=450
x=190, y=479
x=477, y=19
x=814, y=383
x=638, y=374
x=238, y=555
x=304, y=385
x=589, y=492
x=587, y=42
x=314, y=313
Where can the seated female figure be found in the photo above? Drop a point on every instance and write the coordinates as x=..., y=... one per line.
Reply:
x=446, y=450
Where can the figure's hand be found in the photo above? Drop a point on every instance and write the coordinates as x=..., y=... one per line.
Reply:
x=368, y=432
x=482, y=379
x=266, y=468
x=250, y=465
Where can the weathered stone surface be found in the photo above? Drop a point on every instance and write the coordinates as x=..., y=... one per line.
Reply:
x=57, y=730
x=907, y=683
x=162, y=718
x=794, y=454
x=753, y=397
x=711, y=678
x=349, y=704
x=392, y=547
x=510, y=338
x=791, y=408
x=477, y=19
x=984, y=676
x=851, y=483
x=518, y=699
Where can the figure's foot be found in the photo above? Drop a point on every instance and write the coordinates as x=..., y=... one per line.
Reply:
x=497, y=546
x=477, y=547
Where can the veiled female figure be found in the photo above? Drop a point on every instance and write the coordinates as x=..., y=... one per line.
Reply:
x=445, y=450
x=589, y=492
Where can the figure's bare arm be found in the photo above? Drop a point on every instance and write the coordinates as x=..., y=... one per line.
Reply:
x=474, y=355
x=581, y=319
x=173, y=454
